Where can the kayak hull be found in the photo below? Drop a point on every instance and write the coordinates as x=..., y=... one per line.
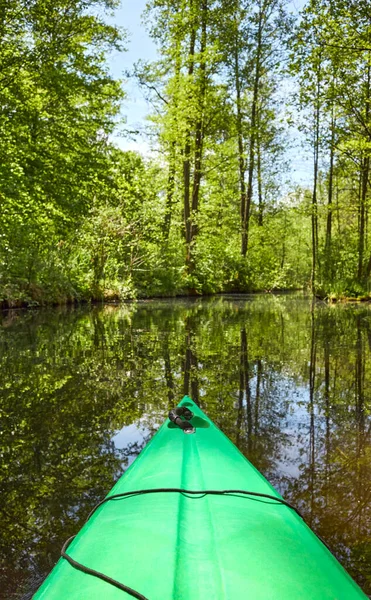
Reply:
x=171, y=545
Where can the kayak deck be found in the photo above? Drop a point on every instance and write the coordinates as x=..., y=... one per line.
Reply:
x=177, y=546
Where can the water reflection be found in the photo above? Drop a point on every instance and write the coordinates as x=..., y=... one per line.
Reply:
x=82, y=391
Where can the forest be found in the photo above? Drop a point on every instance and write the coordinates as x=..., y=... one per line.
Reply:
x=236, y=86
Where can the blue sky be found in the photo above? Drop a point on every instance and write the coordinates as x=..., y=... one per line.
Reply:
x=135, y=107
x=139, y=46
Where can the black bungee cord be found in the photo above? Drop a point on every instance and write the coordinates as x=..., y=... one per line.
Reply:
x=199, y=493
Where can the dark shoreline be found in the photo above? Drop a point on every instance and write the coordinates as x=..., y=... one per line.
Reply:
x=6, y=305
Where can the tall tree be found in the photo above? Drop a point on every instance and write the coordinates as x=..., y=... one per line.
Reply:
x=58, y=105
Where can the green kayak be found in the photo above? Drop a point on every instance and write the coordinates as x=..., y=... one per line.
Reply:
x=160, y=539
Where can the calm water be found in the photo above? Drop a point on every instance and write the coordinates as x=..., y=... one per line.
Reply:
x=82, y=391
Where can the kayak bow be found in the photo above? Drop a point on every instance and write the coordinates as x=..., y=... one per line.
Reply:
x=192, y=519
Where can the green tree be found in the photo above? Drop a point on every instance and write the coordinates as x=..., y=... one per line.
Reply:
x=59, y=104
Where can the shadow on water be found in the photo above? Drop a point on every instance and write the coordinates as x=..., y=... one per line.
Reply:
x=82, y=391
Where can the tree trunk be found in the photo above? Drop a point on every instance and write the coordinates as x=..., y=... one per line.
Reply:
x=328, y=261
x=241, y=149
x=283, y=255
x=259, y=176
x=362, y=214
x=199, y=130
x=170, y=192
x=365, y=175
x=253, y=119
x=187, y=153
x=315, y=182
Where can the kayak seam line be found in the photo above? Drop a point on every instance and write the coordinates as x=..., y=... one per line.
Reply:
x=177, y=546
x=220, y=572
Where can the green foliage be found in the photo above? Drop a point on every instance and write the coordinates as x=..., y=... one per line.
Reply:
x=331, y=60
x=82, y=220
x=58, y=106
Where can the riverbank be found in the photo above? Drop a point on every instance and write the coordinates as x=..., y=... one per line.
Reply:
x=26, y=301
x=30, y=299
x=69, y=293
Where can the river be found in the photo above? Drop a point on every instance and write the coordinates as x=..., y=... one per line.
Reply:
x=83, y=389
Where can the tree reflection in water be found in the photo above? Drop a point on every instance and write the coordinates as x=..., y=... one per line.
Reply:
x=288, y=383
